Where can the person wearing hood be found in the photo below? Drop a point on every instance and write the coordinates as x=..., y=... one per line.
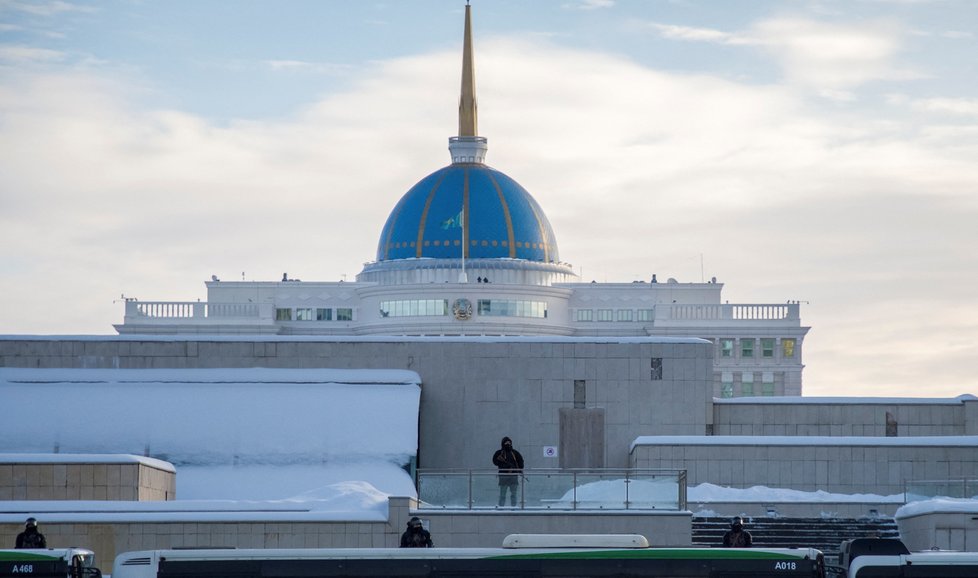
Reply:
x=737, y=537
x=30, y=537
x=416, y=536
x=510, y=464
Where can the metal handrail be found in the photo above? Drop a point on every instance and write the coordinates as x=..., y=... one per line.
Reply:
x=968, y=488
x=479, y=486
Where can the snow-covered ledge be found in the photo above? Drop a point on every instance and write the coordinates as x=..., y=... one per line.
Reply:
x=97, y=477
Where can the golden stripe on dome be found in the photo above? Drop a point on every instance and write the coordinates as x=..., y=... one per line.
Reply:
x=509, y=218
x=424, y=215
x=543, y=230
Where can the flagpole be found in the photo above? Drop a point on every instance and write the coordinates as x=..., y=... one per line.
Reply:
x=463, y=278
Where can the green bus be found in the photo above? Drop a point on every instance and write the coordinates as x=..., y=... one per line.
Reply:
x=48, y=563
x=531, y=557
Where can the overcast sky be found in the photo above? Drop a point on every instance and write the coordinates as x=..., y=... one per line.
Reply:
x=825, y=152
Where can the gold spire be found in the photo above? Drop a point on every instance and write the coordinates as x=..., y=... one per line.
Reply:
x=468, y=119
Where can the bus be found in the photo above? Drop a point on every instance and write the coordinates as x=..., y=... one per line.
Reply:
x=48, y=563
x=882, y=558
x=522, y=556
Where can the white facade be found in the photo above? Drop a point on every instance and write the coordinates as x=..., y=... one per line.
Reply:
x=758, y=347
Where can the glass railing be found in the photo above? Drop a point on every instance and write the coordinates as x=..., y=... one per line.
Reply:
x=553, y=489
x=917, y=490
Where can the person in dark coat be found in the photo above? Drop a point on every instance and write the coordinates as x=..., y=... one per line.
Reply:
x=30, y=537
x=510, y=464
x=737, y=537
x=415, y=536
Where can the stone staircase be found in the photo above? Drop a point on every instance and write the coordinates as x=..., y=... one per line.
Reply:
x=824, y=534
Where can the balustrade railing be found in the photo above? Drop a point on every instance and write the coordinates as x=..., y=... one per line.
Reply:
x=554, y=490
x=178, y=310
x=917, y=490
x=163, y=309
x=718, y=312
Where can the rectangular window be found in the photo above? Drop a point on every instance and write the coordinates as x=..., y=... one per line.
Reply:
x=746, y=347
x=624, y=315
x=726, y=347
x=767, y=347
x=606, y=314
x=283, y=315
x=512, y=308
x=747, y=384
x=411, y=308
x=787, y=348
x=580, y=394
x=726, y=384
x=726, y=389
x=344, y=314
x=304, y=314
x=644, y=314
x=324, y=314
x=585, y=314
x=656, y=369
x=767, y=388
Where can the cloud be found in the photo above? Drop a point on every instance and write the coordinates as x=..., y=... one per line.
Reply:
x=958, y=106
x=640, y=171
x=693, y=34
x=589, y=5
x=957, y=34
x=44, y=8
x=300, y=66
x=19, y=54
x=831, y=57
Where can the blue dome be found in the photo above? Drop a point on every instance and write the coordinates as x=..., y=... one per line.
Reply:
x=501, y=220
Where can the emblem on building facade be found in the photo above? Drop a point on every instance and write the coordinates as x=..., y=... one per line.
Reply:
x=462, y=309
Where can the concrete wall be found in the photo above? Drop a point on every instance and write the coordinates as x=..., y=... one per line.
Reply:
x=876, y=466
x=85, y=481
x=838, y=417
x=448, y=529
x=475, y=390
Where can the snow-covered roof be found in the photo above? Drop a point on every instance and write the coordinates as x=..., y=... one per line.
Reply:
x=938, y=506
x=926, y=441
x=356, y=338
x=213, y=416
x=766, y=495
x=239, y=376
x=85, y=459
x=254, y=433
x=797, y=400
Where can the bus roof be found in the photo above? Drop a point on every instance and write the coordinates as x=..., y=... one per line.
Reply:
x=435, y=553
x=575, y=541
x=938, y=558
x=43, y=553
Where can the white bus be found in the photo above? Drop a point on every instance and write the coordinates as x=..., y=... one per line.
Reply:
x=880, y=558
x=917, y=565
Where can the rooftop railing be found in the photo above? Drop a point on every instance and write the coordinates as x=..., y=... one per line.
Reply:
x=918, y=490
x=728, y=312
x=197, y=311
x=605, y=489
